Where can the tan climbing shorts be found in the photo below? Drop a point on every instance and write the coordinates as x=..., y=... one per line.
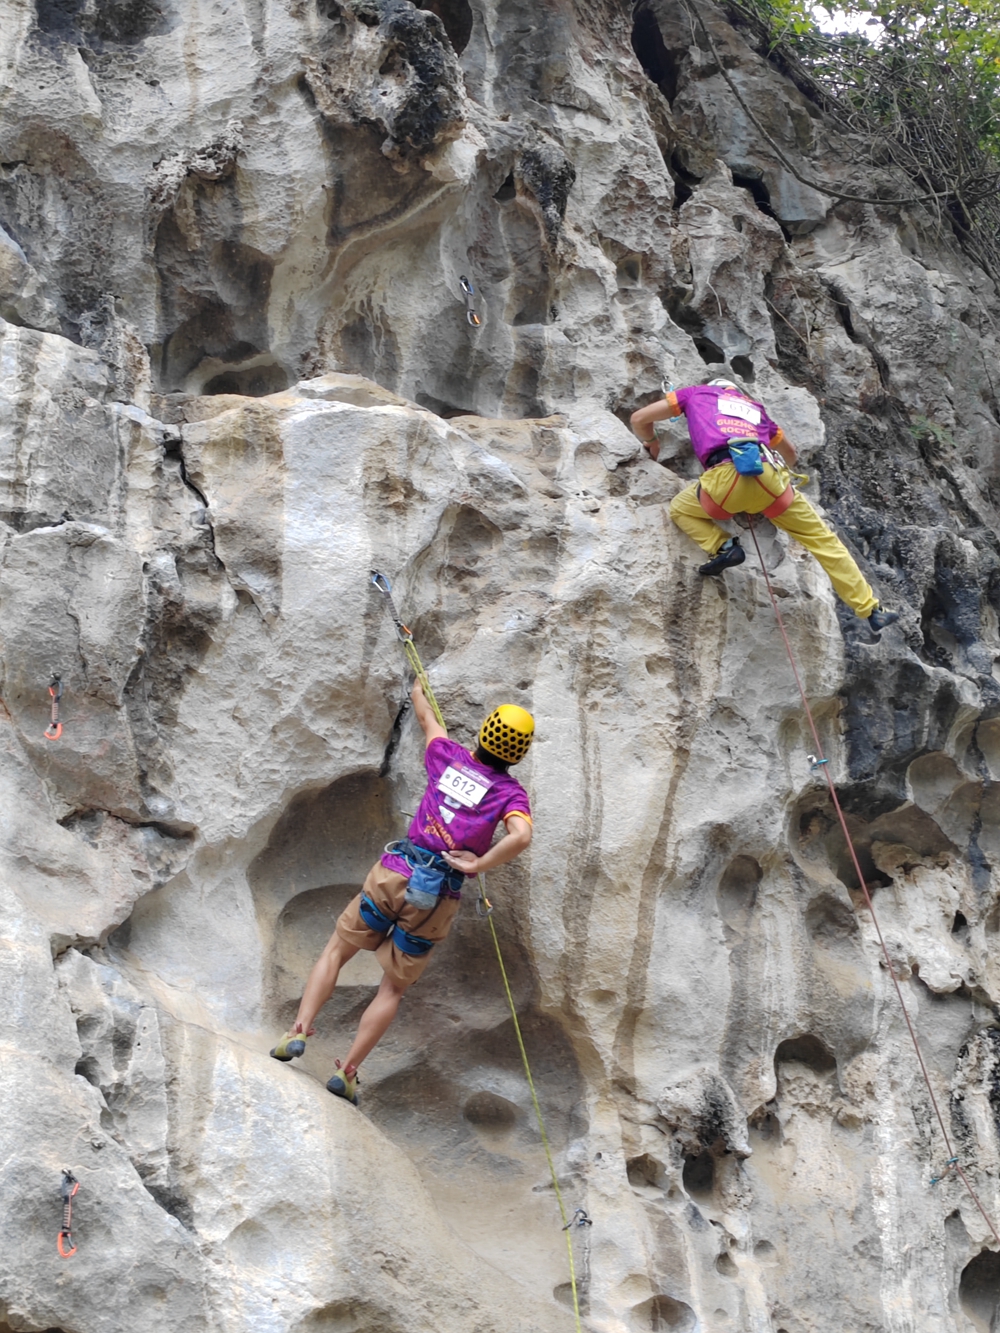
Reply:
x=386, y=889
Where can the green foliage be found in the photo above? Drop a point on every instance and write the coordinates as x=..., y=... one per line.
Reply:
x=918, y=85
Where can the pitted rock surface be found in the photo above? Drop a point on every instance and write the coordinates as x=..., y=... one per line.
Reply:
x=236, y=375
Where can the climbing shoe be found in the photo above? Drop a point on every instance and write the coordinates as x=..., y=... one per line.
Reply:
x=730, y=553
x=344, y=1084
x=880, y=619
x=292, y=1045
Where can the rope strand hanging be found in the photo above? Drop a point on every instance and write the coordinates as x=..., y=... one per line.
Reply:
x=485, y=910
x=818, y=763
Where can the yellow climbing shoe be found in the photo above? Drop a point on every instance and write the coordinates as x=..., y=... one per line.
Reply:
x=344, y=1084
x=292, y=1045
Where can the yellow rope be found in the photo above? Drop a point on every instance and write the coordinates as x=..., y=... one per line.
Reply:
x=418, y=667
x=567, y=1229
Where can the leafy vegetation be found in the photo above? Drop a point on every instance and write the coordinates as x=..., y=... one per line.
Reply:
x=916, y=87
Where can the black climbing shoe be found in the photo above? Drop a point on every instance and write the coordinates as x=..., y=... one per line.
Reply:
x=292, y=1045
x=732, y=553
x=343, y=1086
x=879, y=619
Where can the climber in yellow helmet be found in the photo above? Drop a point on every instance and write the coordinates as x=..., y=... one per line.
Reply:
x=733, y=436
x=412, y=894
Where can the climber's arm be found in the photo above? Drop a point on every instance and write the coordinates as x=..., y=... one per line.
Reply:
x=785, y=448
x=432, y=728
x=642, y=421
x=517, y=839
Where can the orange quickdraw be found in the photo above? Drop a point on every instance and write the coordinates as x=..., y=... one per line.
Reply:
x=54, y=730
x=68, y=1190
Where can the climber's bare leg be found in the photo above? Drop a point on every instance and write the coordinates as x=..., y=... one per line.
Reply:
x=321, y=983
x=375, y=1021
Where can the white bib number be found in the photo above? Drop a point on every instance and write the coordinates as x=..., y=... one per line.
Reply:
x=462, y=787
x=738, y=407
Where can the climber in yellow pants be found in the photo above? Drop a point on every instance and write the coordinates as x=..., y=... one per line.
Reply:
x=722, y=421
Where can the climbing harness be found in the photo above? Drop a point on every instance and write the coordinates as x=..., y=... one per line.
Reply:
x=430, y=874
x=469, y=292
x=67, y=1190
x=484, y=909
x=405, y=637
x=54, y=730
x=817, y=761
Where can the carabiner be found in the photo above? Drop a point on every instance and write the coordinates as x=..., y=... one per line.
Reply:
x=469, y=292
x=54, y=730
x=484, y=907
x=580, y=1218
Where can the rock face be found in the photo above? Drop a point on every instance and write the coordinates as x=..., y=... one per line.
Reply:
x=236, y=375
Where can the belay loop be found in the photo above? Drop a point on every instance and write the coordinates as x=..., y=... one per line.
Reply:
x=54, y=730
x=67, y=1190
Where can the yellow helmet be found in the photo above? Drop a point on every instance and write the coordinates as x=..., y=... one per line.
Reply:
x=507, y=733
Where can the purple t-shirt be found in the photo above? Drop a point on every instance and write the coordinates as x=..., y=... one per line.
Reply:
x=716, y=415
x=462, y=805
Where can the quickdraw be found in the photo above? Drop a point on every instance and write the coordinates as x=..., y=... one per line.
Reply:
x=405, y=636
x=67, y=1190
x=952, y=1161
x=54, y=730
x=815, y=763
x=469, y=292
x=580, y=1218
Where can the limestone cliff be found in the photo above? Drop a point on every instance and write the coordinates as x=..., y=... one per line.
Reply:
x=236, y=374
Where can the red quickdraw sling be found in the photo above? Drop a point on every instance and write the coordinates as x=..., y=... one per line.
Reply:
x=68, y=1190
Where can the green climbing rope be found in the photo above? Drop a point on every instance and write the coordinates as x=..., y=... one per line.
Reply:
x=567, y=1226
x=413, y=657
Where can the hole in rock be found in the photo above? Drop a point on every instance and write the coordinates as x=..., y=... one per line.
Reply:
x=821, y=841
x=764, y=1123
x=644, y=1171
x=628, y=272
x=699, y=1173
x=737, y=891
x=829, y=919
x=664, y=1313
x=507, y=191
x=659, y=64
x=251, y=382
x=979, y=1290
x=442, y=409
x=743, y=366
x=490, y=1112
x=710, y=352
x=726, y=1265
x=563, y=1293
x=457, y=17
x=345, y=1317
x=674, y=301
x=959, y=925
x=806, y=1050
x=684, y=180
x=764, y=1251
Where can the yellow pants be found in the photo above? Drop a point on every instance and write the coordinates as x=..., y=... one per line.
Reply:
x=737, y=494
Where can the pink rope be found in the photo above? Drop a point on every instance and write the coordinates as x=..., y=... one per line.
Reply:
x=864, y=888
